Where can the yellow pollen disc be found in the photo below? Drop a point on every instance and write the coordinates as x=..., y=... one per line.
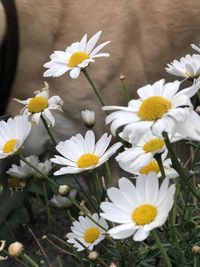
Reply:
x=153, y=145
x=91, y=234
x=9, y=146
x=37, y=104
x=77, y=58
x=153, y=108
x=14, y=182
x=151, y=167
x=144, y=214
x=87, y=160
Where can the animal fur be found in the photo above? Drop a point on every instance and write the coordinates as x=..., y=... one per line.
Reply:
x=145, y=35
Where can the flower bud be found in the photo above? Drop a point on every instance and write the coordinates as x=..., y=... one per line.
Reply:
x=122, y=77
x=198, y=109
x=64, y=190
x=88, y=117
x=15, y=249
x=93, y=255
x=196, y=249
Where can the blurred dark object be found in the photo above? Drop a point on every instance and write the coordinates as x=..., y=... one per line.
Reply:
x=8, y=53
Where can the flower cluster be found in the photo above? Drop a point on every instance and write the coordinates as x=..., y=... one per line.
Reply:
x=147, y=127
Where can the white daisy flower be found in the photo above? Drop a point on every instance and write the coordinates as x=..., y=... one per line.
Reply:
x=159, y=108
x=13, y=134
x=138, y=209
x=80, y=154
x=186, y=67
x=41, y=105
x=142, y=153
x=195, y=47
x=23, y=170
x=152, y=166
x=75, y=57
x=63, y=202
x=88, y=117
x=87, y=232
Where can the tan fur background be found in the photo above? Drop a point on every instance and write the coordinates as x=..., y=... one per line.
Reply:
x=145, y=35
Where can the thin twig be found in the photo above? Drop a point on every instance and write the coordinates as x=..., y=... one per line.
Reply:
x=59, y=248
x=40, y=246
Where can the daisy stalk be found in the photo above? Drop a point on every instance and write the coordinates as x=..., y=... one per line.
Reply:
x=182, y=172
x=17, y=259
x=48, y=131
x=84, y=193
x=158, y=158
x=162, y=249
x=125, y=88
x=109, y=175
x=30, y=261
x=96, y=90
x=46, y=203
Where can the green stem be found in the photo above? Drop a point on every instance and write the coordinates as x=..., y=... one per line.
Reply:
x=85, y=194
x=51, y=217
x=125, y=90
x=47, y=205
x=174, y=210
x=48, y=131
x=99, y=185
x=28, y=260
x=17, y=259
x=176, y=164
x=59, y=261
x=162, y=249
x=158, y=158
x=173, y=223
x=96, y=90
x=109, y=175
x=40, y=246
x=37, y=170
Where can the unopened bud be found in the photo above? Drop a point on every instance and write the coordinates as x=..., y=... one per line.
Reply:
x=15, y=249
x=112, y=264
x=198, y=109
x=44, y=237
x=122, y=77
x=88, y=117
x=64, y=190
x=93, y=255
x=196, y=249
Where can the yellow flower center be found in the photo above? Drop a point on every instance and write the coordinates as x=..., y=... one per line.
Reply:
x=15, y=182
x=153, y=108
x=37, y=104
x=9, y=146
x=87, y=160
x=91, y=234
x=151, y=167
x=77, y=58
x=153, y=145
x=144, y=214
